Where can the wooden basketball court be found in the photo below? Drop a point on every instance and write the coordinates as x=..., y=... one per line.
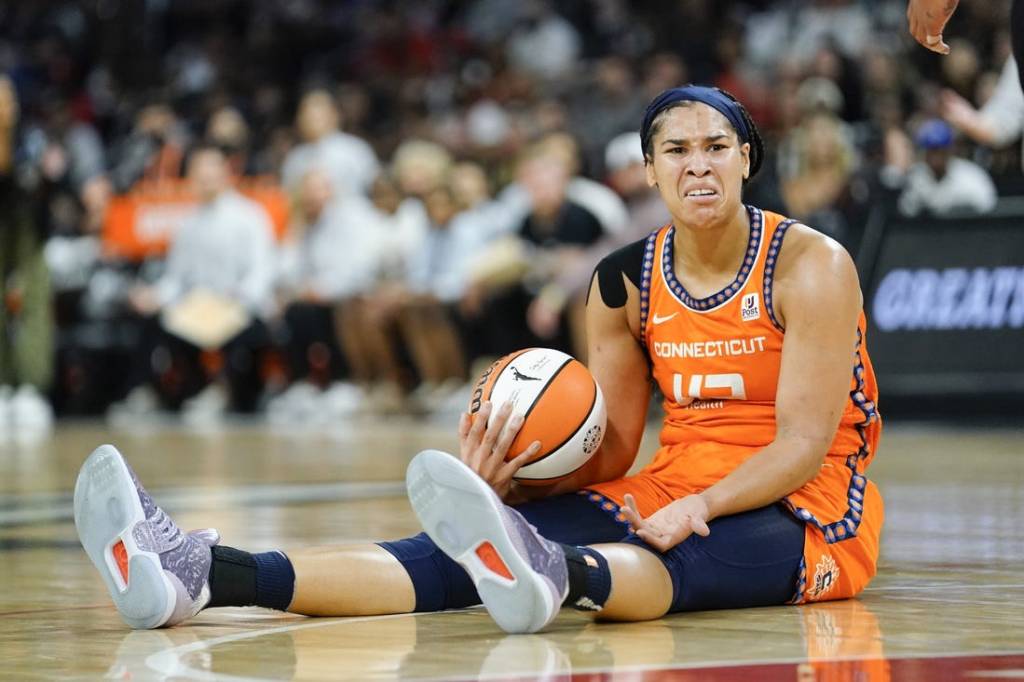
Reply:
x=948, y=602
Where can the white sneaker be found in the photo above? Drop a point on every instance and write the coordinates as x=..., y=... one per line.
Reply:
x=343, y=399
x=522, y=577
x=6, y=419
x=386, y=398
x=29, y=410
x=141, y=401
x=296, y=405
x=207, y=407
x=157, y=575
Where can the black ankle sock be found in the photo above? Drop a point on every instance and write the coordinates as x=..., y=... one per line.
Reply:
x=239, y=578
x=590, y=580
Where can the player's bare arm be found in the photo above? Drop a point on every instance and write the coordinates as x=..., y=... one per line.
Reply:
x=818, y=301
x=618, y=364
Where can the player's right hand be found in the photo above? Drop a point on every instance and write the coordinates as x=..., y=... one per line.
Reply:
x=484, y=448
x=927, y=19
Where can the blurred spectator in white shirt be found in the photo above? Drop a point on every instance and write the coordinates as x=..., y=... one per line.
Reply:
x=367, y=323
x=999, y=121
x=943, y=183
x=330, y=259
x=543, y=44
x=225, y=247
x=349, y=161
x=223, y=255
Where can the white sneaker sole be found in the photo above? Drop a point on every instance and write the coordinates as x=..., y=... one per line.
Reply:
x=460, y=513
x=107, y=508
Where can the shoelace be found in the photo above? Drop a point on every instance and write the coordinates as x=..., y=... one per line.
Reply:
x=164, y=525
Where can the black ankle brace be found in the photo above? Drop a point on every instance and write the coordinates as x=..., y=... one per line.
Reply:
x=589, y=581
x=232, y=577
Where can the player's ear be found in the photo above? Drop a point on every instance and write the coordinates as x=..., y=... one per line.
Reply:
x=652, y=181
x=745, y=153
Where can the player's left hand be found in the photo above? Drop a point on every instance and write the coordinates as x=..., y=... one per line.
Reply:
x=670, y=525
x=927, y=20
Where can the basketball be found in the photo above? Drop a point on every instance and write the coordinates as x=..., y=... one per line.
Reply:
x=561, y=404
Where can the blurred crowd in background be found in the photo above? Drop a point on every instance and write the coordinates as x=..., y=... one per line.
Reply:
x=451, y=172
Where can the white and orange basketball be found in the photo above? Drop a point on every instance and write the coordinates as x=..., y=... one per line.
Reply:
x=562, y=406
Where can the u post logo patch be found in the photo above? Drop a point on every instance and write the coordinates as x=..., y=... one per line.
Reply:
x=750, y=308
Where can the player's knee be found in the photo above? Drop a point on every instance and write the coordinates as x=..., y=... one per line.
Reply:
x=439, y=582
x=708, y=573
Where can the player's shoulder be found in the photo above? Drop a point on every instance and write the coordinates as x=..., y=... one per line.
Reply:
x=814, y=270
x=806, y=252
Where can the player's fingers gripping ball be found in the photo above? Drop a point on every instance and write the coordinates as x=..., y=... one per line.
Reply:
x=561, y=404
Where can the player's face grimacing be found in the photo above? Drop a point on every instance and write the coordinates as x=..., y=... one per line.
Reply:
x=698, y=166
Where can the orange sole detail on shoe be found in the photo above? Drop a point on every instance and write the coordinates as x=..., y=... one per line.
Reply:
x=492, y=560
x=121, y=558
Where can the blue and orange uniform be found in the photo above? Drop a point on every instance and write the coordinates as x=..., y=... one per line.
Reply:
x=716, y=361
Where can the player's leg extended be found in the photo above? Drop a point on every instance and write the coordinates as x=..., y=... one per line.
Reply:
x=159, y=576
x=524, y=579
x=413, y=574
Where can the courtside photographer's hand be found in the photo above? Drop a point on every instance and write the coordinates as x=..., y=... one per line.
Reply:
x=670, y=525
x=483, y=449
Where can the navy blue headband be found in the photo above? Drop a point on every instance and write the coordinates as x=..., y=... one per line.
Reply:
x=713, y=97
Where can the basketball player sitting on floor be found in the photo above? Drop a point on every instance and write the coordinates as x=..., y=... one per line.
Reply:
x=752, y=326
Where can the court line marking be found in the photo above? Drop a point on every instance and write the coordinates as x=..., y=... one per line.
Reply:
x=198, y=498
x=29, y=612
x=170, y=661
x=951, y=600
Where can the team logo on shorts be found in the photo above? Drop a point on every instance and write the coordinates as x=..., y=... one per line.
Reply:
x=826, y=574
x=751, y=309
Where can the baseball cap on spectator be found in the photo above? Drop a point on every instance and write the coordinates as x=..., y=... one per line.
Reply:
x=487, y=124
x=934, y=134
x=622, y=151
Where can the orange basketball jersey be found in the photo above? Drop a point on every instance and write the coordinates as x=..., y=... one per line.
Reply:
x=716, y=361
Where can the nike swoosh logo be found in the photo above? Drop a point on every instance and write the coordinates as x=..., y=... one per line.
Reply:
x=659, y=320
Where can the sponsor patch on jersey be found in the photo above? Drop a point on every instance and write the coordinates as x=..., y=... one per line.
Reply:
x=751, y=308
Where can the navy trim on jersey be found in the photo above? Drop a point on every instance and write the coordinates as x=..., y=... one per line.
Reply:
x=801, y=582
x=703, y=305
x=769, y=269
x=858, y=482
x=645, y=284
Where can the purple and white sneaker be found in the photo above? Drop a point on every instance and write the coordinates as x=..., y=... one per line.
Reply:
x=521, y=577
x=156, y=574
